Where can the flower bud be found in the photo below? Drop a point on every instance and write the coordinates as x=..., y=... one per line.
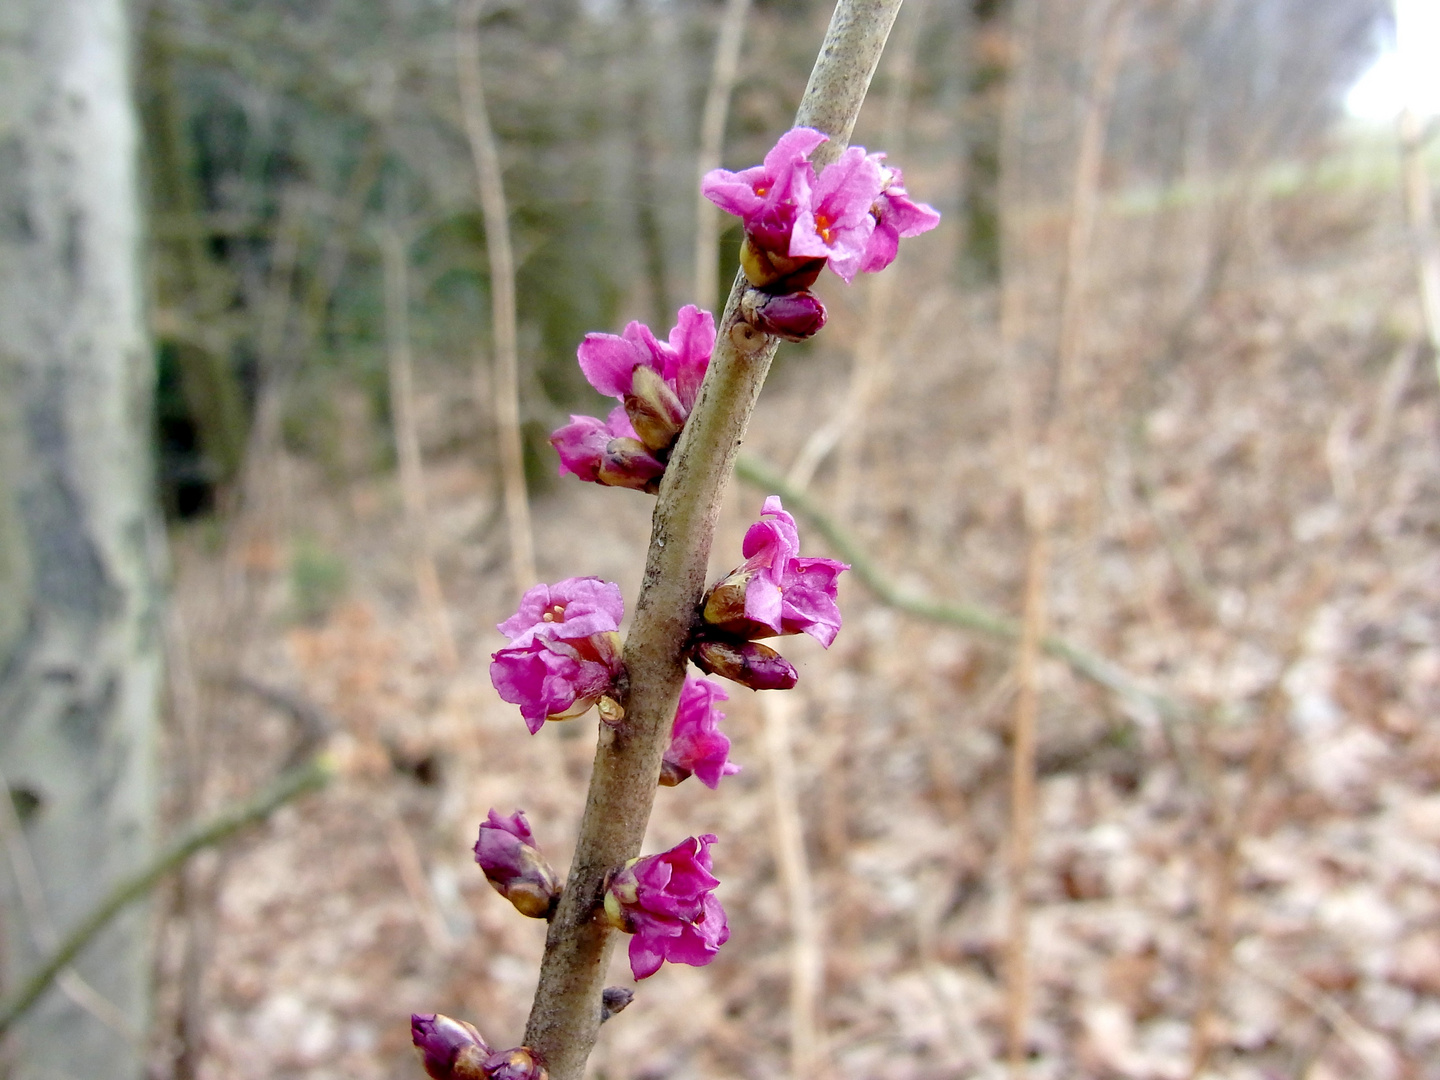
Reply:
x=451, y=1049
x=520, y=1063
x=747, y=662
x=769, y=270
x=614, y=999
x=512, y=863
x=626, y=463
x=794, y=316
x=654, y=410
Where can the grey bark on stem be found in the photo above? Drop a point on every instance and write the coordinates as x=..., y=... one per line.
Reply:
x=565, y=1017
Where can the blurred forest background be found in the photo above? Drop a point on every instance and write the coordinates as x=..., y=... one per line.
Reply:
x=1160, y=385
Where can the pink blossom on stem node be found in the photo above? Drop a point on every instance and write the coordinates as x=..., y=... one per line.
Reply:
x=655, y=381
x=697, y=746
x=451, y=1049
x=837, y=223
x=667, y=902
x=564, y=651
x=896, y=216
x=607, y=452
x=776, y=590
x=768, y=197
x=507, y=852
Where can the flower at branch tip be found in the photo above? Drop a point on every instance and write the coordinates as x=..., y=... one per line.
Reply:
x=776, y=590
x=896, y=216
x=607, y=452
x=521, y=1063
x=451, y=1049
x=564, y=651
x=696, y=745
x=746, y=662
x=656, y=382
x=792, y=316
x=668, y=903
x=851, y=216
x=512, y=862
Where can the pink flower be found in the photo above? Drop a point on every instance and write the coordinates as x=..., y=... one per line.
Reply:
x=451, y=1049
x=852, y=215
x=656, y=381
x=564, y=651
x=507, y=852
x=837, y=223
x=776, y=590
x=769, y=197
x=895, y=216
x=607, y=452
x=667, y=902
x=696, y=744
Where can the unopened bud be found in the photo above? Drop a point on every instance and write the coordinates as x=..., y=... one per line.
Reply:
x=611, y=711
x=512, y=863
x=775, y=272
x=614, y=999
x=626, y=463
x=521, y=1063
x=672, y=774
x=654, y=410
x=725, y=606
x=451, y=1049
x=794, y=316
x=747, y=662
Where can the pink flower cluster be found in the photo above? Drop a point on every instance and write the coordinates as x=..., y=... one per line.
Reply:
x=656, y=383
x=775, y=591
x=851, y=216
x=667, y=903
x=564, y=651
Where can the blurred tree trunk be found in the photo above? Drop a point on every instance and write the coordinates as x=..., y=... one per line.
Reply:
x=79, y=539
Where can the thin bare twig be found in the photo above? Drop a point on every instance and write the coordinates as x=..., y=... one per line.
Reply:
x=401, y=369
x=1420, y=216
x=874, y=349
x=227, y=822
x=807, y=958
x=565, y=1017
x=712, y=141
x=1101, y=671
x=506, y=389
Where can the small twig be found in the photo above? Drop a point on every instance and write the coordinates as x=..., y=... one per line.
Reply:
x=1022, y=792
x=807, y=960
x=42, y=930
x=288, y=786
x=712, y=141
x=870, y=364
x=1373, y=1052
x=1420, y=217
x=502, y=292
x=1097, y=669
x=400, y=366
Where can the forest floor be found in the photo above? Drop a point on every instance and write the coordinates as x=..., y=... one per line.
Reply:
x=1247, y=518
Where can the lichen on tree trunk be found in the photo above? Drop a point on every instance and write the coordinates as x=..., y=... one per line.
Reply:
x=79, y=537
